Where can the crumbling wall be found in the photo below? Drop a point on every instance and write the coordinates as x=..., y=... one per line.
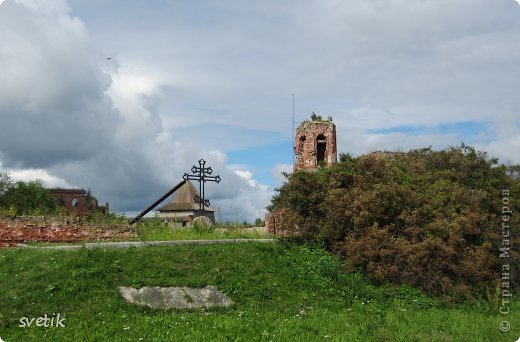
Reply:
x=274, y=223
x=38, y=229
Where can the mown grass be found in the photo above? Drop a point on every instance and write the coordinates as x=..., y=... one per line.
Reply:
x=280, y=292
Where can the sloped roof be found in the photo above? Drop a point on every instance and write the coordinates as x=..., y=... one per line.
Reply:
x=184, y=200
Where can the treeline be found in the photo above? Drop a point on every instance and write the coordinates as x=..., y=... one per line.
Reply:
x=430, y=219
x=25, y=198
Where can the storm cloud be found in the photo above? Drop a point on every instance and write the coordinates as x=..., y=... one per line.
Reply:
x=73, y=117
x=124, y=97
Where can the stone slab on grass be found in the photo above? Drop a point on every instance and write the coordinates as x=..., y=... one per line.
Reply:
x=176, y=297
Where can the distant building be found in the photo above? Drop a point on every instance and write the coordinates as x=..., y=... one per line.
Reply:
x=74, y=200
x=183, y=208
x=77, y=201
x=315, y=144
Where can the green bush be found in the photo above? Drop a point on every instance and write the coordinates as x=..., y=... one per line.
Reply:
x=430, y=219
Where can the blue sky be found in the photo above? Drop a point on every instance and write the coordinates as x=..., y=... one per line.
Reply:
x=123, y=97
x=260, y=160
x=469, y=132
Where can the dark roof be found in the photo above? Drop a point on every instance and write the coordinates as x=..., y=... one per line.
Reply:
x=183, y=200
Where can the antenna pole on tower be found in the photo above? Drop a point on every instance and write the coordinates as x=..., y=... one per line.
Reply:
x=292, y=137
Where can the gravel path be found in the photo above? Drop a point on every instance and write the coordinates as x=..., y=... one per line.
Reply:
x=148, y=243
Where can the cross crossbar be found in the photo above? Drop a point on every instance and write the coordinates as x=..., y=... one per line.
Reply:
x=201, y=174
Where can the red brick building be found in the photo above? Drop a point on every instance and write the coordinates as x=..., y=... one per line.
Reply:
x=314, y=144
x=74, y=200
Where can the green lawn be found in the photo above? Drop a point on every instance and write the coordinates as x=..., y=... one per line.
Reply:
x=280, y=292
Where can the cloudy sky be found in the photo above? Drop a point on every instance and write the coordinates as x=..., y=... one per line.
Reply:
x=123, y=97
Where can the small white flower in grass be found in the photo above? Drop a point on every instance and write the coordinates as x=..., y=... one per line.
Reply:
x=126, y=327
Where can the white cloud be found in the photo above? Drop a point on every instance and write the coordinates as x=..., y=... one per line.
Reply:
x=48, y=180
x=277, y=171
x=248, y=176
x=369, y=64
x=52, y=103
x=75, y=118
x=187, y=80
x=506, y=145
x=248, y=199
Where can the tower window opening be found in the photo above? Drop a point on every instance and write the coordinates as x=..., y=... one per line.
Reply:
x=301, y=142
x=321, y=148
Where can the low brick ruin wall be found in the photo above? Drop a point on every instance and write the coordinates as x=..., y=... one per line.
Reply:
x=40, y=229
x=274, y=223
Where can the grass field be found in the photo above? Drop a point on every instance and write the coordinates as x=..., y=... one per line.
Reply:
x=281, y=292
x=157, y=231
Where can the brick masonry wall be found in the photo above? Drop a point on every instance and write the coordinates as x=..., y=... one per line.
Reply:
x=38, y=229
x=273, y=222
x=305, y=144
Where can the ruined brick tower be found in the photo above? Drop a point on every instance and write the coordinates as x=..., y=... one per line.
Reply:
x=314, y=144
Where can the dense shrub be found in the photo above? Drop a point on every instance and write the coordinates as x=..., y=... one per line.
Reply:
x=431, y=219
x=25, y=198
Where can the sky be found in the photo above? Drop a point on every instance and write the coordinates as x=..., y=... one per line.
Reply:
x=124, y=97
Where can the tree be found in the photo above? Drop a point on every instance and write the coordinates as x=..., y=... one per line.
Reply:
x=5, y=184
x=25, y=198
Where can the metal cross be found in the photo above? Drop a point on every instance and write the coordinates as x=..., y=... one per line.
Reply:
x=202, y=175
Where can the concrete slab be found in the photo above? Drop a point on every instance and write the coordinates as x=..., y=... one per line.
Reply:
x=175, y=297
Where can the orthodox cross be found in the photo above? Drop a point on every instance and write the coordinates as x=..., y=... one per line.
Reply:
x=202, y=175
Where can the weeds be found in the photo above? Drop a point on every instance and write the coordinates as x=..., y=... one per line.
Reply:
x=155, y=230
